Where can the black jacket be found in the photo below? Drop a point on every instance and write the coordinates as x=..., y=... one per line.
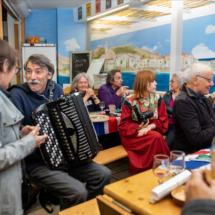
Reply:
x=91, y=106
x=167, y=98
x=193, y=122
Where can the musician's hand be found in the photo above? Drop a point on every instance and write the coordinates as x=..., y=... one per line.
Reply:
x=143, y=131
x=142, y=125
x=26, y=130
x=38, y=139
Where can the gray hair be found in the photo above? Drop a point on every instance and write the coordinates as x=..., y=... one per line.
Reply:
x=110, y=76
x=76, y=79
x=42, y=61
x=194, y=70
x=179, y=78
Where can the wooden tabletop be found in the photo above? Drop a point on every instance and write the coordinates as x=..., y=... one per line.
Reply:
x=86, y=208
x=135, y=193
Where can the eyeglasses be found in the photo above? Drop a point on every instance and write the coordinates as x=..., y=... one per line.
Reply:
x=172, y=81
x=208, y=79
x=17, y=70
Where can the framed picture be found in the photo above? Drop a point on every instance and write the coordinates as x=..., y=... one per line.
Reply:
x=120, y=2
x=88, y=9
x=98, y=6
x=79, y=13
x=108, y=4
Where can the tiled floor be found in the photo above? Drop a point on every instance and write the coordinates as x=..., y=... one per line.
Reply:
x=119, y=171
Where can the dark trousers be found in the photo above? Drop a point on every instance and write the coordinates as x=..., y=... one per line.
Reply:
x=110, y=140
x=69, y=185
x=170, y=136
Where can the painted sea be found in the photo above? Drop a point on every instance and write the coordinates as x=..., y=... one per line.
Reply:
x=162, y=80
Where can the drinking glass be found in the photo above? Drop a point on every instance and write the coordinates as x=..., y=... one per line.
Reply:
x=112, y=108
x=177, y=161
x=161, y=167
x=102, y=105
x=213, y=155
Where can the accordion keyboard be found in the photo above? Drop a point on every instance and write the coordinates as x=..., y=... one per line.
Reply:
x=53, y=151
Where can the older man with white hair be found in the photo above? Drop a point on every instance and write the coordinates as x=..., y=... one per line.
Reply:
x=193, y=115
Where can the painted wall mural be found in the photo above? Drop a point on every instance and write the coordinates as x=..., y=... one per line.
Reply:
x=42, y=23
x=68, y=40
x=149, y=49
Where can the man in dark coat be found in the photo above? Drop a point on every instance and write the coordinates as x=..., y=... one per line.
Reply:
x=193, y=115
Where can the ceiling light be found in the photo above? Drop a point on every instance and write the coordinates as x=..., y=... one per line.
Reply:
x=109, y=11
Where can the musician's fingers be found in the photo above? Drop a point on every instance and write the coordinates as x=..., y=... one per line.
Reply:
x=30, y=128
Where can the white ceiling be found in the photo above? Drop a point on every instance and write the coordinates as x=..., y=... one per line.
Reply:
x=54, y=4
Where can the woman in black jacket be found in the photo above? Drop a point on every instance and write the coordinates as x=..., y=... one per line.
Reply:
x=176, y=84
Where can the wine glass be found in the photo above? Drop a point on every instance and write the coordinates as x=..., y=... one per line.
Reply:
x=102, y=105
x=213, y=155
x=161, y=167
x=177, y=161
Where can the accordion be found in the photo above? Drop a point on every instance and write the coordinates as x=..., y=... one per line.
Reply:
x=72, y=139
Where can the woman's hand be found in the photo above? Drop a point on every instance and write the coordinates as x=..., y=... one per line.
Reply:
x=143, y=131
x=142, y=125
x=89, y=93
x=26, y=130
x=38, y=139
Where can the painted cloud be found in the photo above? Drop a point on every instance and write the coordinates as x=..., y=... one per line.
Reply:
x=202, y=51
x=150, y=49
x=71, y=45
x=210, y=29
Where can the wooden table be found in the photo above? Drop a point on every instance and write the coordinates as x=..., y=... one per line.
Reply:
x=135, y=193
x=89, y=207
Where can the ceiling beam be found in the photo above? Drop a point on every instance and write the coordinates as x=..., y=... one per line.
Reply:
x=98, y=32
x=124, y=18
x=107, y=26
x=158, y=9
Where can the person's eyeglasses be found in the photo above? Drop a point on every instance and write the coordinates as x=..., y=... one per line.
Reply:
x=17, y=70
x=172, y=81
x=208, y=79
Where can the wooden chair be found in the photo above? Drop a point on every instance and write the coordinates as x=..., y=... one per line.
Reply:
x=67, y=90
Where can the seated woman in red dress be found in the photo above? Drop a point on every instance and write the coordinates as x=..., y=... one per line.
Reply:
x=141, y=141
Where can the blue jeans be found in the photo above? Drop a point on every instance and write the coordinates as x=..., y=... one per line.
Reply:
x=170, y=136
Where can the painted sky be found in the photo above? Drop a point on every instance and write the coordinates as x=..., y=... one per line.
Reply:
x=42, y=23
x=71, y=36
x=151, y=39
x=199, y=36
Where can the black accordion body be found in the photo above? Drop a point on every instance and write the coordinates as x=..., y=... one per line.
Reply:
x=72, y=139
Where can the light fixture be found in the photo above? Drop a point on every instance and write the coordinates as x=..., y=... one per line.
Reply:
x=109, y=11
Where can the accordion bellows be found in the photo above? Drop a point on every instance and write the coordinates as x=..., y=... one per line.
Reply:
x=72, y=139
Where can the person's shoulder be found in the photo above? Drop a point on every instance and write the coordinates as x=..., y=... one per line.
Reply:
x=104, y=86
x=168, y=93
x=18, y=91
x=129, y=98
x=58, y=89
x=57, y=86
x=182, y=96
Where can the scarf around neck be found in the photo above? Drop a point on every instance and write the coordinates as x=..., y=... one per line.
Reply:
x=145, y=104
